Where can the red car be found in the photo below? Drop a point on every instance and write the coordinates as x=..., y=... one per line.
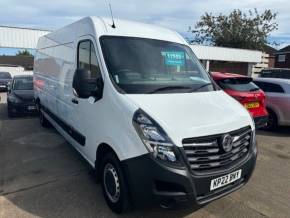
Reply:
x=246, y=92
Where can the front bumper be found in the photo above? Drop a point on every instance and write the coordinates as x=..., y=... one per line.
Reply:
x=151, y=182
x=3, y=87
x=20, y=108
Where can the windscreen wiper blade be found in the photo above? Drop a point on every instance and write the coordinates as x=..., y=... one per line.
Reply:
x=200, y=87
x=169, y=88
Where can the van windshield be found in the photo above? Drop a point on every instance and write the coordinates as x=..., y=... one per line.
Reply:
x=23, y=83
x=144, y=66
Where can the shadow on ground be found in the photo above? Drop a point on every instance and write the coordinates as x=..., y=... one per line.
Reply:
x=282, y=131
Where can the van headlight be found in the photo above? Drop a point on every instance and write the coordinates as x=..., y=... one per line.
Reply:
x=155, y=138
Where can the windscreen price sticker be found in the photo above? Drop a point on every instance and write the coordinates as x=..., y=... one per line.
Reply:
x=174, y=58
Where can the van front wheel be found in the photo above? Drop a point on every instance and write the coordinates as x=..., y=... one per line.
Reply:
x=114, y=185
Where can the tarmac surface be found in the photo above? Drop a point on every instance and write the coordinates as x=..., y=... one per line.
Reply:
x=41, y=175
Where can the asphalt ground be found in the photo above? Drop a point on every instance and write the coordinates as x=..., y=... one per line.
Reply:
x=41, y=175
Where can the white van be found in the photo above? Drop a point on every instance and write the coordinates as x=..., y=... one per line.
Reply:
x=137, y=104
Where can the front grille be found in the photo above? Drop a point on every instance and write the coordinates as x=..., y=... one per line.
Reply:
x=205, y=154
x=28, y=101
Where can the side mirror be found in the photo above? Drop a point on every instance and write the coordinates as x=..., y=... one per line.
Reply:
x=83, y=85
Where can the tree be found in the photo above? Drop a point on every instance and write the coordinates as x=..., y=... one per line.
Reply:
x=238, y=29
x=24, y=53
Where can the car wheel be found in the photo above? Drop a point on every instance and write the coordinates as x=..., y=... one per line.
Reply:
x=114, y=186
x=272, y=122
x=43, y=121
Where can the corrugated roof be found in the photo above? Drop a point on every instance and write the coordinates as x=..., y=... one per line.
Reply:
x=15, y=37
x=226, y=54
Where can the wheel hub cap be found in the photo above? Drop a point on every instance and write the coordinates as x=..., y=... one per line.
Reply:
x=111, y=183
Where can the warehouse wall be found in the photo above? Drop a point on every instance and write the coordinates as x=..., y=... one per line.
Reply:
x=24, y=61
x=229, y=67
x=15, y=37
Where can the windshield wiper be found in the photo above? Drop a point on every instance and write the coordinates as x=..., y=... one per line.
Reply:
x=169, y=88
x=200, y=87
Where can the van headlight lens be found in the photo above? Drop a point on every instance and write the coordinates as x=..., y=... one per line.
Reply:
x=155, y=138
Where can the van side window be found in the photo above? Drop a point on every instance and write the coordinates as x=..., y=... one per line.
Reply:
x=84, y=55
x=95, y=68
x=87, y=58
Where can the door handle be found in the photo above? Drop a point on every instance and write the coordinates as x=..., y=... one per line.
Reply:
x=75, y=101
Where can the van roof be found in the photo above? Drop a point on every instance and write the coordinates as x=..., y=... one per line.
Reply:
x=138, y=29
x=100, y=26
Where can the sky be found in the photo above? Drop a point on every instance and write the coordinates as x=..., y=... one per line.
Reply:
x=174, y=14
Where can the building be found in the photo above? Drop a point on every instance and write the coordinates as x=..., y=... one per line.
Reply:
x=282, y=59
x=232, y=60
x=265, y=63
x=270, y=55
x=13, y=70
x=25, y=61
x=20, y=38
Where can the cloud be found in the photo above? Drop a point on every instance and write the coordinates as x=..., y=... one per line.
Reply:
x=174, y=14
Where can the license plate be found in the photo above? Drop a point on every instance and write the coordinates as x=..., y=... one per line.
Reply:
x=31, y=108
x=225, y=180
x=252, y=105
x=2, y=86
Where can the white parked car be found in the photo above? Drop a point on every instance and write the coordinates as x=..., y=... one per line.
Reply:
x=277, y=100
x=134, y=100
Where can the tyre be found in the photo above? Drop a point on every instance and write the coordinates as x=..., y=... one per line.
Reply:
x=115, y=189
x=43, y=121
x=272, y=122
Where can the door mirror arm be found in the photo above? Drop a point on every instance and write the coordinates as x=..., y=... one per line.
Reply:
x=97, y=93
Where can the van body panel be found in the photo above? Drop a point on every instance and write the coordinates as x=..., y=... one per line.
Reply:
x=88, y=122
x=193, y=113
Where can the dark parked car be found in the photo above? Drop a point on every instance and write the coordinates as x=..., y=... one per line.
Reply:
x=20, y=97
x=275, y=73
x=5, y=78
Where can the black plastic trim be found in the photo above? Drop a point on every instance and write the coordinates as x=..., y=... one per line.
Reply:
x=77, y=136
x=151, y=182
